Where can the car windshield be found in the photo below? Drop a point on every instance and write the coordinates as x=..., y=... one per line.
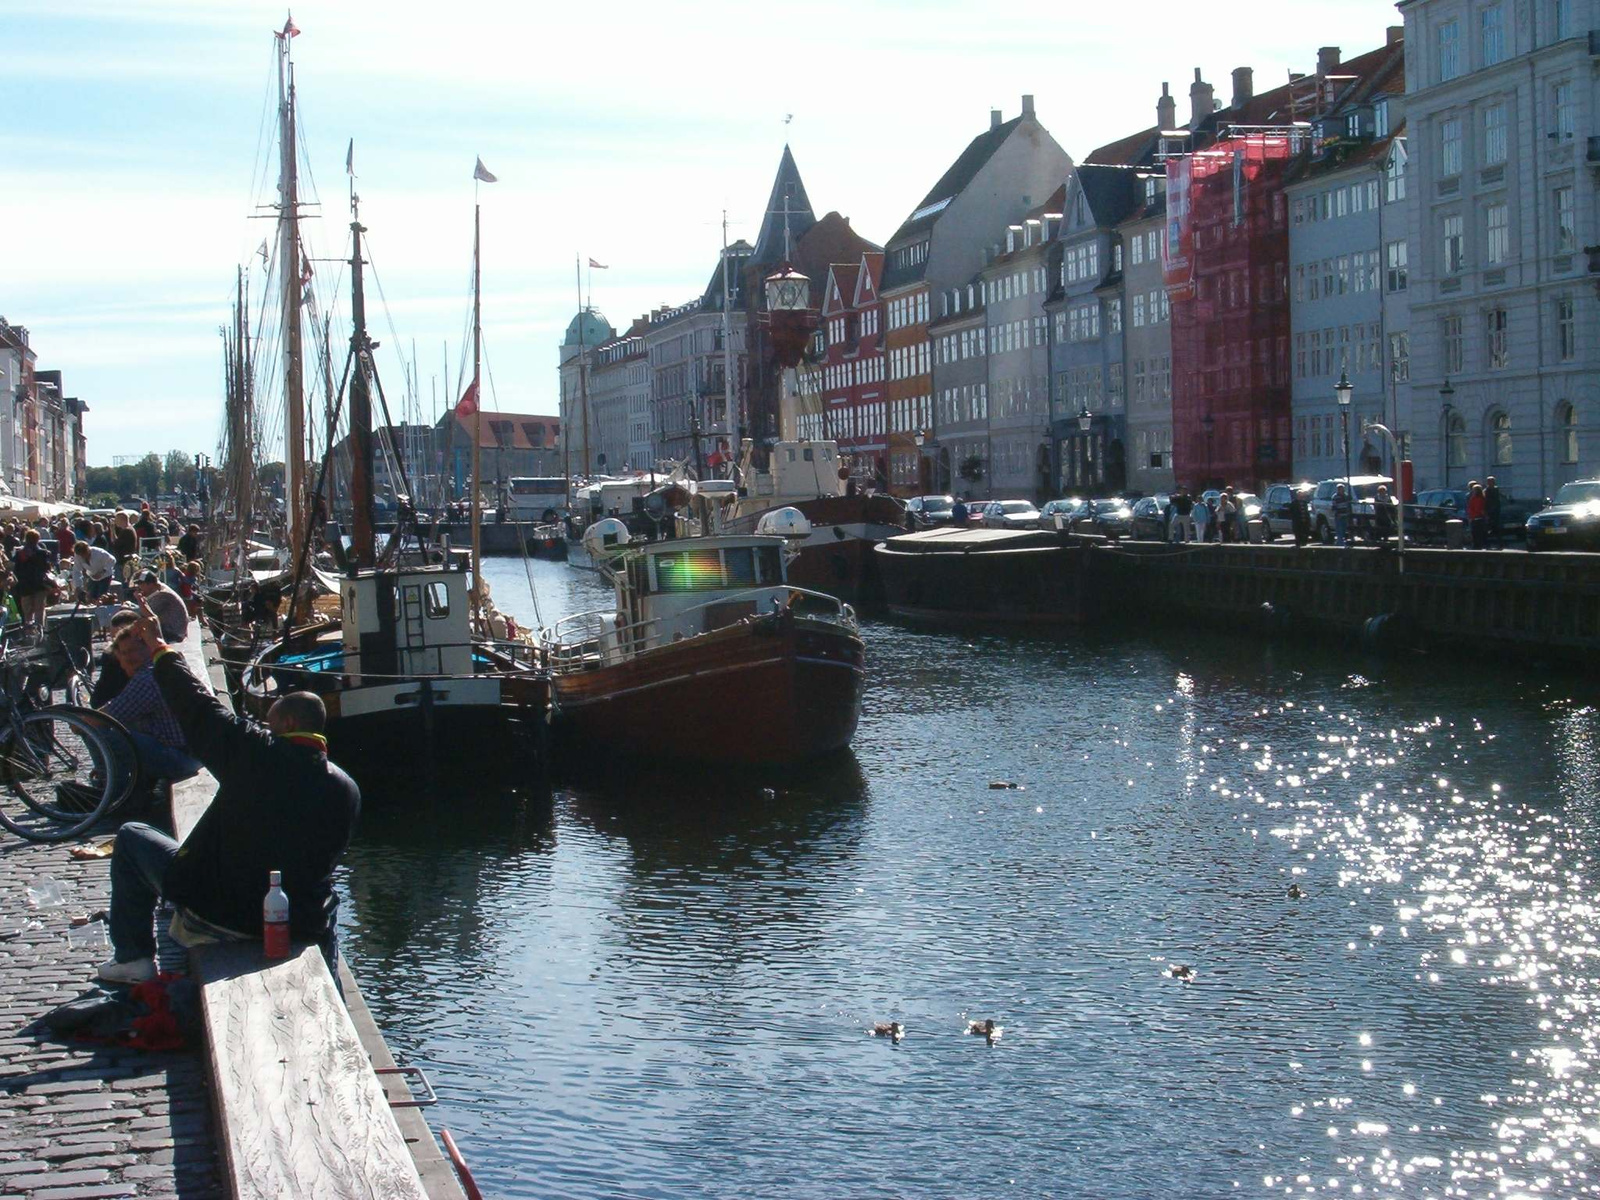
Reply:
x=1367, y=491
x=937, y=503
x=1578, y=493
x=1016, y=506
x=1109, y=506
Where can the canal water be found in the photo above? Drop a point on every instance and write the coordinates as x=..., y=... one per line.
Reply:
x=651, y=982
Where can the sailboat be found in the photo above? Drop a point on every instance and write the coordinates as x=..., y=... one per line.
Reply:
x=407, y=668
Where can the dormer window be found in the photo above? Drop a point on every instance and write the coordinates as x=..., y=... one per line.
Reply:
x=1380, y=119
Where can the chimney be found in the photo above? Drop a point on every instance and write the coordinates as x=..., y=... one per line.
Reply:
x=1027, y=106
x=994, y=118
x=1166, y=110
x=1397, y=35
x=1243, y=86
x=1202, y=100
x=1327, y=61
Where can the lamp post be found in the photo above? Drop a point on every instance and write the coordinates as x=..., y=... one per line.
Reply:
x=1446, y=395
x=1085, y=423
x=1342, y=392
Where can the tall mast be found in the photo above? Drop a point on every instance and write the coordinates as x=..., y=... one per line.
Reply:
x=728, y=423
x=243, y=443
x=477, y=402
x=583, y=367
x=363, y=540
x=289, y=266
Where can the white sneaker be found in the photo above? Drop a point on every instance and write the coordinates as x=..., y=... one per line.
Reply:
x=140, y=970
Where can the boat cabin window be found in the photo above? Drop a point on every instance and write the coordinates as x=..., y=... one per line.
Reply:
x=741, y=564
x=791, y=453
x=436, y=600
x=769, y=560
x=809, y=455
x=688, y=571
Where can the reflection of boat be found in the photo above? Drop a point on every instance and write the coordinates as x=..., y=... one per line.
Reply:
x=836, y=557
x=710, y=654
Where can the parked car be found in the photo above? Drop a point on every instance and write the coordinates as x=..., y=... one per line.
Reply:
x=1047, y=514
x=928, y=511
x=1010, y=514
x=1570, y=522
x=1426, y=516
x=1277, y=509
x=1362, y=490
x=1150, y=518
x=1112, y=517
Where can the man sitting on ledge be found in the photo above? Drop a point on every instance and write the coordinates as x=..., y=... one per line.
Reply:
x=280, y=806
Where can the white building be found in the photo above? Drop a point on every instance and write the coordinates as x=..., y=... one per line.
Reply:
x=1503, y=153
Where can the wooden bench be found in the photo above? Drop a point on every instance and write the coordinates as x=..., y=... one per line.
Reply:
x=300, y=1111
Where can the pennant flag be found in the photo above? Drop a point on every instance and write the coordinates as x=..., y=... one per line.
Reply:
x=482, y=172
x=289, y=31
x=305, y=269
x=350, y=158
x=598, y=266
x=263, y=251
x=469, y=401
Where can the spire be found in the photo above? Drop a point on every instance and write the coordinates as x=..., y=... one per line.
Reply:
x=788, y=215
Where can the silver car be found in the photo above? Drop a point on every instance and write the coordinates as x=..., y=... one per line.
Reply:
x=1010, y=514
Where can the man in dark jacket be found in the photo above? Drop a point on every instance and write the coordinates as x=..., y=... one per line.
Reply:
x=1491, y=510
x=280, y=806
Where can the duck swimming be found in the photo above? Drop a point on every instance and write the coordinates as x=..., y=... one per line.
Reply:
x=1294, y=892
x=889, y=1029
x=1182, y=971
x=985, y=1029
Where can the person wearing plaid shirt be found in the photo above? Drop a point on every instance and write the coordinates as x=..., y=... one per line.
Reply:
x=155, y=732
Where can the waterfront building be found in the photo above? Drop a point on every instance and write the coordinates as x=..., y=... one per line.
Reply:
x=853, y=409
x=619, y=404
x=1001, y=175
x=1501, y=116
x=959, y=336
x=1347, y=263
x=510, y=444
x=1087, y=361
x=586, y=333
x=1015, y=285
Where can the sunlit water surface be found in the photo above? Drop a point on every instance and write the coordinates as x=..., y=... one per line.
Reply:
x=656, y=982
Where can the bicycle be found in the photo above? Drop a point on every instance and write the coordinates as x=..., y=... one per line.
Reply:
x=63, y=768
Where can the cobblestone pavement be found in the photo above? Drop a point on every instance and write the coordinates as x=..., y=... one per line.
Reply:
x=78, y=1121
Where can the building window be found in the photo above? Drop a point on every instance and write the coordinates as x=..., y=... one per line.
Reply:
x=1114, y=313
x=1449, y=50
x=1500, y=438
x=1453, y=248
x=1449, y=147
x=1456, y=440
x=1496, y=235
x=1138, y=311
x=1494, y=135
x=1400, y=357
x=1396, y=252
x=1492, y=28
x=1560, y=19
x=1497, y=328
x=1562, y=114
x=1567, y=432
x=1380, y=119
x=1566, y=238
x=1566, y=329
x=1454, y=346
x=1394, y=176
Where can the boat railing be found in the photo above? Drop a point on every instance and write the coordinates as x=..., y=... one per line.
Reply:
x=260, y=671
x=587, y=639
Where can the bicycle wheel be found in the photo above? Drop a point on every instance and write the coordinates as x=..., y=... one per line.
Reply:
x=57, y=776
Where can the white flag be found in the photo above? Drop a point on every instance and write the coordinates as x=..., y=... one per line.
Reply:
x=482, y=172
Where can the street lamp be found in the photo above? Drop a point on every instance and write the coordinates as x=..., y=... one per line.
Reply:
x=1343, y=391
x=1446, y=395
x=1085, y=423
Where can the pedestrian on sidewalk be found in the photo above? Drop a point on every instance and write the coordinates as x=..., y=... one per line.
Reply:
x=1491, y=511
x=1478, y=516
x=1341, y=515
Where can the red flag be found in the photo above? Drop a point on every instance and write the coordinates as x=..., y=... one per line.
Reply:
x=598, y=266
x=469, y=401
x=289, y=31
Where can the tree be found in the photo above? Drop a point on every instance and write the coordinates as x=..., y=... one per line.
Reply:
x=147, y=475
x=178, y=471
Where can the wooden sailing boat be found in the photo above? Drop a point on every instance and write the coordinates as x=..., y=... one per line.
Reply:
x=405, y=668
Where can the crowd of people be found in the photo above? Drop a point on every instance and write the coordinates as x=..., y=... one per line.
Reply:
x=91, y=561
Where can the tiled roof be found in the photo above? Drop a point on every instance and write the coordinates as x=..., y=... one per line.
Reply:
x=1135, y=149
x=843, y=276
x=951, y=184
x=511, y=431
x=1113, y=193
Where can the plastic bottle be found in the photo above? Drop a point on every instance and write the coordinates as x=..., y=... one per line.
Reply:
x=275, y=918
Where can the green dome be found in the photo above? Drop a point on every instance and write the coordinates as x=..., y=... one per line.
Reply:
x=588, y=328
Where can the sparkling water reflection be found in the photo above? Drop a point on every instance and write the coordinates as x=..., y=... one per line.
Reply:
x=653, y=982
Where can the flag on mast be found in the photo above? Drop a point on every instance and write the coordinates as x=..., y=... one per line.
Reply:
x=469, y=401
x=350, y=158
x=262, y=250
x=598, y=266
x=289, y=31
x=482, y=172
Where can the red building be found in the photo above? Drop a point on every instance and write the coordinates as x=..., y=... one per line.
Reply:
x=854, y=410
x=1227, y=273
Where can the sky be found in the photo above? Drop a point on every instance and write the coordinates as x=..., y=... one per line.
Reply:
x=139, y=155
